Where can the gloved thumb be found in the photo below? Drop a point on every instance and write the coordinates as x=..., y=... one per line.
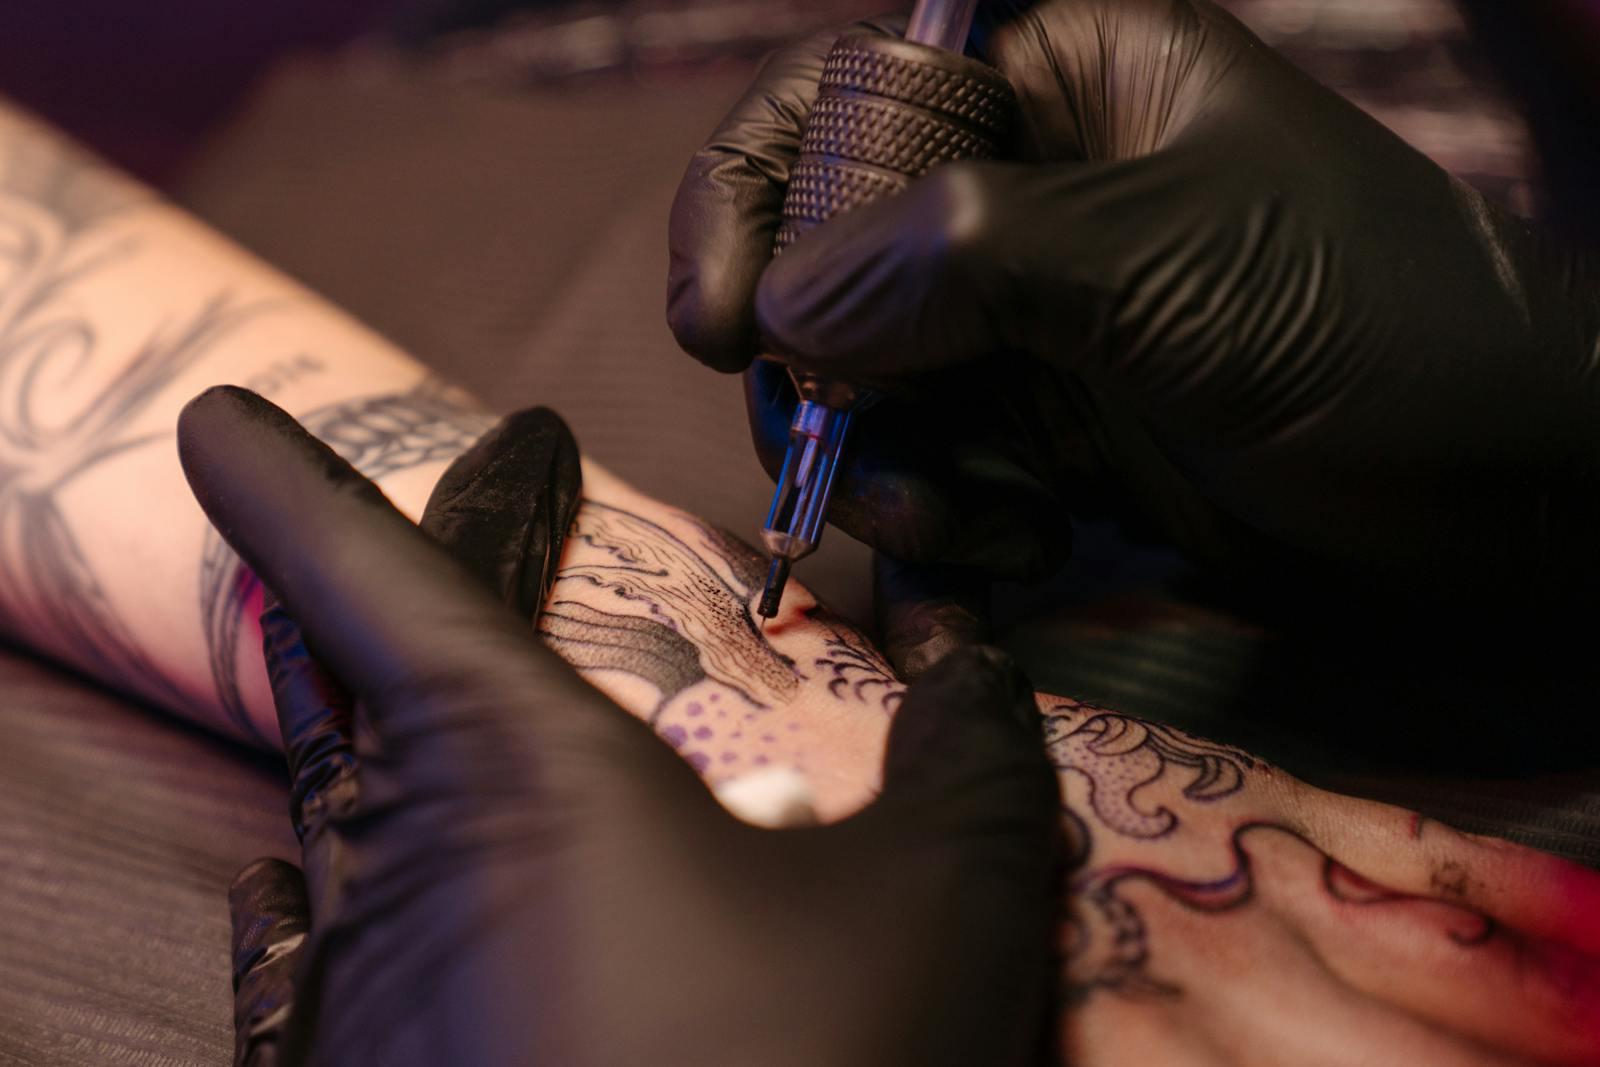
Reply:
x=966, y=759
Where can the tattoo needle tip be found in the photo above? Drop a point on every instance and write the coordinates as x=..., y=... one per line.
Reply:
x=772, y=593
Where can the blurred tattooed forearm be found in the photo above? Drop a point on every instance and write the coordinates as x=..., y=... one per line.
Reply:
x=115, y=308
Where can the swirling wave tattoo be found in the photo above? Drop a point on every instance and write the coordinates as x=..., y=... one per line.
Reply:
x=1107, y=943
x=1120, y=757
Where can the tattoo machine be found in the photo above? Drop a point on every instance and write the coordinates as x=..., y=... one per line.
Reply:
x=886, y=111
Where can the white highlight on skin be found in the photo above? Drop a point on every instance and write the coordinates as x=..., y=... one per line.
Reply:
x=774, y=798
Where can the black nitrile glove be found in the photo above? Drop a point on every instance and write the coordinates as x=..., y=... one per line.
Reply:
x=502, y=510
x=507, y=868
x=1264, y=328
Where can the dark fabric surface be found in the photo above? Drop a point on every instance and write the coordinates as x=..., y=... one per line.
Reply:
x=120, y=830
x=514, y=238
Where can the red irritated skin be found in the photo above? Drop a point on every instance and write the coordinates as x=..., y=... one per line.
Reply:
x=1211, y=297
x=500, y=856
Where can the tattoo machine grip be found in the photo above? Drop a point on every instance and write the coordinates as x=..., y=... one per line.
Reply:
x=887, y=111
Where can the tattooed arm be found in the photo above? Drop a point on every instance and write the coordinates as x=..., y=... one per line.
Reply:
x=115, y=308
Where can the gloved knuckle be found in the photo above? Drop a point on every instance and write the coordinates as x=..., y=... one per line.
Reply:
x=705, y=312
x=962, y=204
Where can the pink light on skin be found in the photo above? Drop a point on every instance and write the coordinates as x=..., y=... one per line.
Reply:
x=1575, y=900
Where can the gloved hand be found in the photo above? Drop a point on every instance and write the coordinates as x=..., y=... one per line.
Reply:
x=504, y=867
x=1214, y=298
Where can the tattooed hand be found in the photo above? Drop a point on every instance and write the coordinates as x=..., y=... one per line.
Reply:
x=1219, y=911
x=1225, y=913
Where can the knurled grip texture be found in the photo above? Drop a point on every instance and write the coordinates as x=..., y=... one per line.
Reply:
x=886, y=111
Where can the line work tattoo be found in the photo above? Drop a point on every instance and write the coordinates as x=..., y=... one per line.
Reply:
x=379, y=436
x=53, y=200
x=677, y=586
x=856, y=668
x=1106, y=943
x=682, y=617
x=595, y=640
x=1106, y=939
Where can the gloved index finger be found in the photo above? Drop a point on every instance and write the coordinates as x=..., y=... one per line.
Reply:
x=725, y=217
x=383, y=609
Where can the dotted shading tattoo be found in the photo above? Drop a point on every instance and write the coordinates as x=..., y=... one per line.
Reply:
x=749, y=566
x=643, y=563
x=1105, y=943
x=1120, y=756
x=694, y=588
x=378, y=435
x=52, y=200
x=591, y=640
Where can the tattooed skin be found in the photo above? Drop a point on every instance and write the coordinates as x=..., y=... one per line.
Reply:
x=53, y=202
x=857, y=672
x=678, y=585
x=379, y=436
x=1132, y=789
x=1122, y=758
x=649, y=649
x=1106, y=941
x=1138, y=776
x=669, y=604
